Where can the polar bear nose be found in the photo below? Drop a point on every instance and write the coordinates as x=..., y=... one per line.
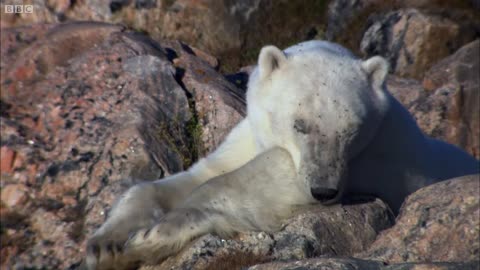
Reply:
x=324, y=194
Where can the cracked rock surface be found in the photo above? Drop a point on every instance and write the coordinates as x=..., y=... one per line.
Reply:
x=318, y=230
x=88, y=109
x=79, y=126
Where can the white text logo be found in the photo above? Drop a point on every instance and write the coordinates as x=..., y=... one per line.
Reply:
x=18, y=9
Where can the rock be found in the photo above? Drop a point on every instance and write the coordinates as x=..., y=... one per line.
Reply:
x=413, y=41
x=89, y=109
x=347, y=20
x=460, y=72
x=44, y=55
x=14, y=195
x=217, y=112
x=40, y=14
x=429, y=109
x=56, y=11
x=212, y=252
x=323, y=263
x=188, y=20
x=459, y=68
x=142, y=15
x=337, y=230
x=83, y=118
x=476, y=3
x=353, y=264
x=231, y=30
x=236, y=30
x=318, y=230
x=341, y=14
x=7, y=159
x=437, y=223
x=449, y=109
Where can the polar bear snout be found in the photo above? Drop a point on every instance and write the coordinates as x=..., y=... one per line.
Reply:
x=324, y=195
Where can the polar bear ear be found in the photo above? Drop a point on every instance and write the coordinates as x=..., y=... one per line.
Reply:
x=377, y=70
x=270, y=59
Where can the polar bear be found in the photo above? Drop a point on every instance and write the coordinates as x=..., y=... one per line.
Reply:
x=320, y=125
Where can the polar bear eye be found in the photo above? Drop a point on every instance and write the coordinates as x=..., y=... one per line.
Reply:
x=300, y=126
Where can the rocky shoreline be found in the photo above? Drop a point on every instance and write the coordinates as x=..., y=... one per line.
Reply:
x=89, y=108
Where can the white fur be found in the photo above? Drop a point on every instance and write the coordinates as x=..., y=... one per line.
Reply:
x=317, y=119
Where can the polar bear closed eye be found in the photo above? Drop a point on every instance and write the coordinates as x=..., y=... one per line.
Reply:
x=320, y=125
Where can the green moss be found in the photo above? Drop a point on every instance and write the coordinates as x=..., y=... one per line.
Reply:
x=183, y=138
x=250, y=55
x=171, y=134
x=194, y=131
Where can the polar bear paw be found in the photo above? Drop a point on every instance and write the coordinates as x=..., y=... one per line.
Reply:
x=137, y=209
x=147, y=245
x=107, y=248
x=108, y=254
x=152, y=245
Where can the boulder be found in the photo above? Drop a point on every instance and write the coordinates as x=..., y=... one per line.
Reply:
x=88, y=109
x=460, y=72
x=438, y=228
x=446, y=105
x=202, y=83
x=232, y=30
x=354, y=264
x=413, y=41
x=314, y=231
x=437, y=223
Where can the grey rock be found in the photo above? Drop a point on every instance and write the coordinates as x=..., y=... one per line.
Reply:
x=357, y=264
x=219, y=104
x=446, y=104
x=436, y=223
x=313, y=231
x=413, y=41
x=342, y=12
x=460, y=72
x=81, y=125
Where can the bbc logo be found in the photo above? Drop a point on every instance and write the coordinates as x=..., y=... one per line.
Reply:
x=18, y=9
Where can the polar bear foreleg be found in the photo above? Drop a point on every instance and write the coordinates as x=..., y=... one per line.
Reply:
x=238, y=148
x=256, y=196
x=145, y=204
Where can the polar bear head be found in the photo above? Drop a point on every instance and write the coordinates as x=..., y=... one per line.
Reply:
x=320, y=103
